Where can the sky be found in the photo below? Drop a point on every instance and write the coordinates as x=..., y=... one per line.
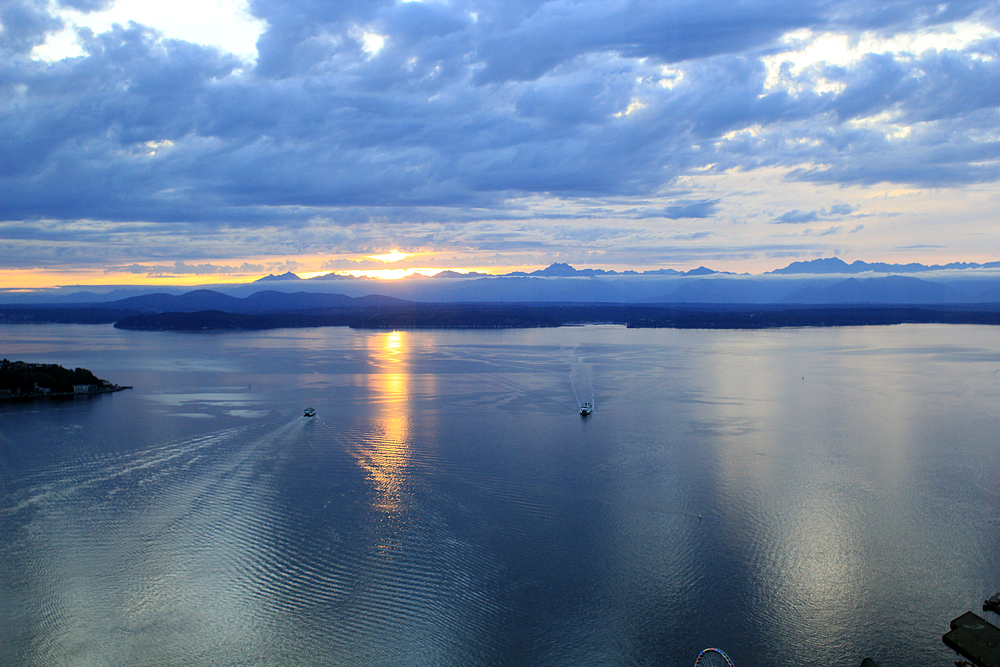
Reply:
x=219, y=141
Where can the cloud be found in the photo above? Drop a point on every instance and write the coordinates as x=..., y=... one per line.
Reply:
x=677, y=209
x=359, y=264
x=184, y=269
x=469, y=110
x=829, y=231
x=24, y=25
x=86, y=5
x=698, y=209
x=796, y=217
x=694, y=236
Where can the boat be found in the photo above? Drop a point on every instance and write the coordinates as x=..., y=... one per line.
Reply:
x=586, y=409
x=309, y=412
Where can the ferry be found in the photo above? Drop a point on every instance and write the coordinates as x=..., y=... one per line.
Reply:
x=309, y=412
x=586, y=409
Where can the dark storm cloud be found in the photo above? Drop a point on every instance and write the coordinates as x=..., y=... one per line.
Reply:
x=473, y=105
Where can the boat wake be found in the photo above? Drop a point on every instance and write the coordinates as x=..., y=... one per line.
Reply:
x=581, y=379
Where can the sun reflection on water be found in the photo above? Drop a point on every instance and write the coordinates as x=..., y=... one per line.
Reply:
x=385, y=454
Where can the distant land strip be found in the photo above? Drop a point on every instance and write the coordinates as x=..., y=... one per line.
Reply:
x=397, y=314
x=520, y=316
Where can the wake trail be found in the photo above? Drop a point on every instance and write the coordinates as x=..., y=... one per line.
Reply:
x=581, y=373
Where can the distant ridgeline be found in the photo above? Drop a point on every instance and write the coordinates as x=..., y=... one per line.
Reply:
x=20, y=380
x=520, y=316
x=821, y=293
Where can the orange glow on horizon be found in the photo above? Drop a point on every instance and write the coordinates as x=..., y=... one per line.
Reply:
x=13, y=280
x=32, y=279
x=391, y=257
x=390, y=274
x=161, y=274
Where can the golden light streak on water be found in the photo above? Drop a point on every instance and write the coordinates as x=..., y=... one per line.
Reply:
x=385, y=455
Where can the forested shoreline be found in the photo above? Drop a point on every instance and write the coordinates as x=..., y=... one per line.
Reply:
x=20, y=380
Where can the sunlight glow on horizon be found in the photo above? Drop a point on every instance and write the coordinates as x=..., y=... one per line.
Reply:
x=15, y=280
x=390, y=257
x=28, y=280
x=390, y=274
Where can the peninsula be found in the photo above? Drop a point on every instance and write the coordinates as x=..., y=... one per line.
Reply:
x=23, y=381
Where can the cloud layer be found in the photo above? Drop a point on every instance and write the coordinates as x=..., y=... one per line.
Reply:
x=475, y=126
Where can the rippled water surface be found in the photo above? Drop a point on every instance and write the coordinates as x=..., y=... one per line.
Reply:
x=795, y=497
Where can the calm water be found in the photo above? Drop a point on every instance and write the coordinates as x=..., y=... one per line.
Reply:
x=797, y=497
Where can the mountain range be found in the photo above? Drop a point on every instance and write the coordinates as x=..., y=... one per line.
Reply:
x=825, y=266
x=837, y=265
x=829, y=281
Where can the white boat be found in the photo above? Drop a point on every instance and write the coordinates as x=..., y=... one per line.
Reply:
x=309, y=412
x=586, y=409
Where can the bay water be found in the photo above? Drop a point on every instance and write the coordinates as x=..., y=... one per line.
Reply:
x=794, y=497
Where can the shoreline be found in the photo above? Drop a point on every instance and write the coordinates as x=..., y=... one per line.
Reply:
x=546, y=315
x=14, y=398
